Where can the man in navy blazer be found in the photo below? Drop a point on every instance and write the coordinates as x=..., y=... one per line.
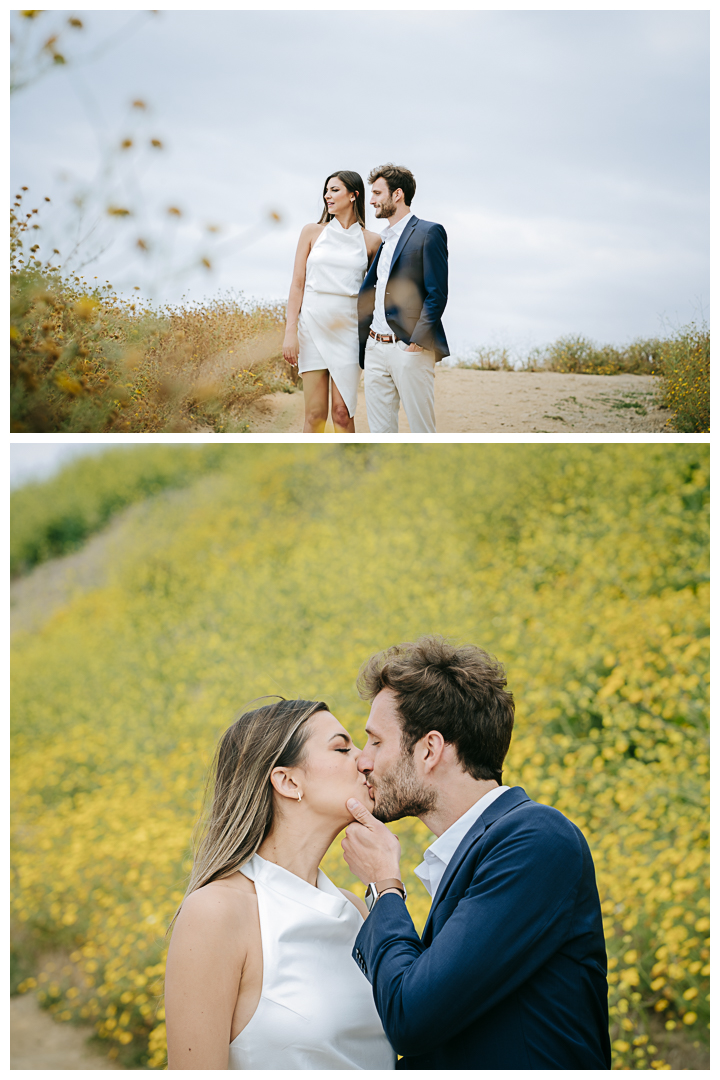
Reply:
x=400, y=305
x=511, y=969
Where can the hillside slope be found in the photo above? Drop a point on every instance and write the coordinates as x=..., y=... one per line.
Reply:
x=583, y=568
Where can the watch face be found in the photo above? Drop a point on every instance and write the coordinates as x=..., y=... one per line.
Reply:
x=370, y=896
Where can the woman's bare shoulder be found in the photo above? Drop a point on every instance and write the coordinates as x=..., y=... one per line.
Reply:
x=373, y=240
x=356, y=901
x=313, y=229
x=225, y=900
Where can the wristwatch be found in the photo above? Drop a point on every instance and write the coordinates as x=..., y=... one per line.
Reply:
x=375, y=888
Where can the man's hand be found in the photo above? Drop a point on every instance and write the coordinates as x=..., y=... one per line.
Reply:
x=371, y=851
x=414, y=347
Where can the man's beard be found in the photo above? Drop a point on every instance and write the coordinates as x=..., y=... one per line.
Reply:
x=399, y=794
x=385, y=210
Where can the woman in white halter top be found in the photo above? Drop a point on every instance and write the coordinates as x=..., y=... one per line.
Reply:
x=321, y=335
x=260, y=973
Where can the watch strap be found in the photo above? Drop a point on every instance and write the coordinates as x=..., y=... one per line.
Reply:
x=390, y=883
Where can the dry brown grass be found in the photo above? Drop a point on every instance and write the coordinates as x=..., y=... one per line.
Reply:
x=84, y=359
x=207, y=367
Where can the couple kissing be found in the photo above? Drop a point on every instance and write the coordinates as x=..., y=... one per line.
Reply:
x=362, y=300
x=271, y=966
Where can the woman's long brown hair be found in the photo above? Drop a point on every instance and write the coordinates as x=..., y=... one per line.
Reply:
x=239, y=814
x=354, y=183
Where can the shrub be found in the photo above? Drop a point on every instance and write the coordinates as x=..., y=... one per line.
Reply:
x=490, y=358
x=572, y=354
x=83, y=359
x=686, y=378
x=579, y=355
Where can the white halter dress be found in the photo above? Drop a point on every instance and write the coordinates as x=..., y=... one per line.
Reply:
x=328, y=323
x=316, y=1009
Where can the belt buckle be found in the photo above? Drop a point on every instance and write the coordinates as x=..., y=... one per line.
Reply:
x=387, y=339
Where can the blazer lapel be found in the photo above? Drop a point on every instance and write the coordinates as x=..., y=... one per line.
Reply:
x=403, y=241
x=504, y=803
x=371, y=276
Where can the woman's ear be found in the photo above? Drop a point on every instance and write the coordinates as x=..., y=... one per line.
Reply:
x=284, y=784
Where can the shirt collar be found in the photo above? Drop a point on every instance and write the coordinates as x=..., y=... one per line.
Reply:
x=397, y=228
x=437, y=857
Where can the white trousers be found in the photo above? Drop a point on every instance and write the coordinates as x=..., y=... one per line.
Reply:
x=392, y=375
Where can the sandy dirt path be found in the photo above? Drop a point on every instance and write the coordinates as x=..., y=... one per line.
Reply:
x=39, y=1042
x=500, y=402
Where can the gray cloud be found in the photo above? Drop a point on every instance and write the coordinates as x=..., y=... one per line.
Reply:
x=566, y=153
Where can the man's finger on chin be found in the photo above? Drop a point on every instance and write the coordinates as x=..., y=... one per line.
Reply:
x=360, y=812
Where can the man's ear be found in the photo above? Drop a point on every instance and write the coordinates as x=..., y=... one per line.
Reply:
x=283, y=783
x=432, y=746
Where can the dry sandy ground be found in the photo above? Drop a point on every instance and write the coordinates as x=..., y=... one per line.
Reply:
x=508, y=401
x=39, y=1042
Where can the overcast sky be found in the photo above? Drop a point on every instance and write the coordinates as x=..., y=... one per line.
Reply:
x=565, y=152
x=39, y=461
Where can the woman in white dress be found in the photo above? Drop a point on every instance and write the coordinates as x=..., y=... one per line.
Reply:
x=321, y=335
x=260, y=973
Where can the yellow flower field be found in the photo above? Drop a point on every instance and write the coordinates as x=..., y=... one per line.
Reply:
x=582, y=567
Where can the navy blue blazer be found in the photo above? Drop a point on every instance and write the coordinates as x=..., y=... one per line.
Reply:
x=511, y=971
x=416, y=292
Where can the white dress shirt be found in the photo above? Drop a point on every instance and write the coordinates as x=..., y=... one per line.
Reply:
x=390, y=238
x=438, y=855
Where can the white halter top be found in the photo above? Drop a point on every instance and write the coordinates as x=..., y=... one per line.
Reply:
x=316, y=1009
x=338, y=260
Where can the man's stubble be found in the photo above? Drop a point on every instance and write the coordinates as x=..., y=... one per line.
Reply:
x=385, y=209
x=399, y=793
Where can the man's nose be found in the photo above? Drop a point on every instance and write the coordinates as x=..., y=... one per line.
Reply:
x=364, y=763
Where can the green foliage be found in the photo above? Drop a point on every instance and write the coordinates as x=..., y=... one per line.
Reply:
x=686, y=378
x=56, y=516
x=582, y=567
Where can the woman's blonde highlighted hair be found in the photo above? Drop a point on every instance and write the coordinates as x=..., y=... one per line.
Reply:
x=239, y=814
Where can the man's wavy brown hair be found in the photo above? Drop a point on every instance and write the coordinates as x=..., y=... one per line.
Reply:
x=456, y=690
x=396, y=176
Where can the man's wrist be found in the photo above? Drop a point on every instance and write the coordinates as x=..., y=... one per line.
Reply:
x=386, y=875
x=376, y=889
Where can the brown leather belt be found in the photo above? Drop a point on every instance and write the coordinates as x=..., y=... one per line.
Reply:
x=387, y=338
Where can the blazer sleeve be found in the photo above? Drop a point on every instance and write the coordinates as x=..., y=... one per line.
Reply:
x=435, y=281
x=510, y=921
